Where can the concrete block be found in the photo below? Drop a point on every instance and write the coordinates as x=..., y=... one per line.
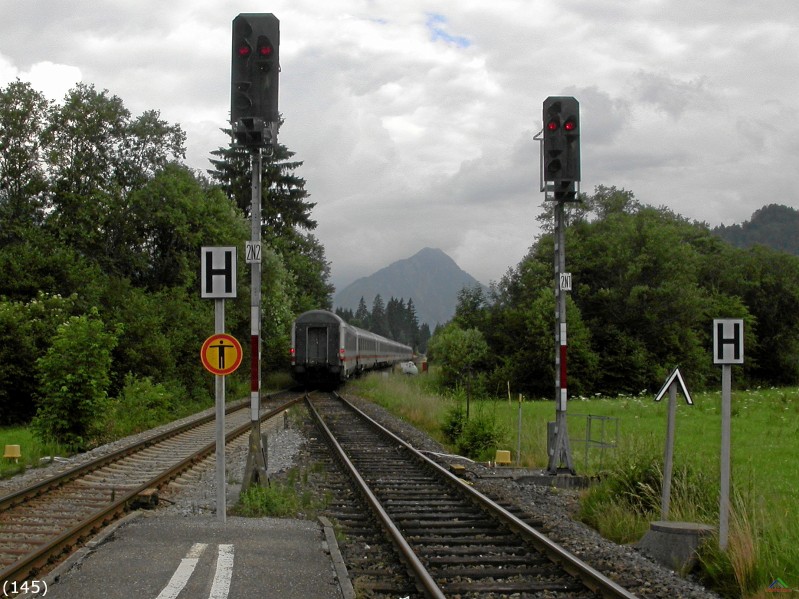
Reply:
x=674, y=544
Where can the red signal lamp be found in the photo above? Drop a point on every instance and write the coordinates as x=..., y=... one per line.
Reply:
x=570, y=125
x=552, y=125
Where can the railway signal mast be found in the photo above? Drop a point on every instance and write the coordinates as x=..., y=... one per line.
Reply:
x=560, y=182
x=254, y=116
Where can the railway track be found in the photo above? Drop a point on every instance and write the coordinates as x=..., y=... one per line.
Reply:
x=42, y=521
x=453, y=541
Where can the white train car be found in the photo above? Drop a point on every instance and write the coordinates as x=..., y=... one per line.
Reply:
x=325, y=350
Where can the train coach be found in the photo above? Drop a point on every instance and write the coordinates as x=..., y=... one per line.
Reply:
x=325, y=350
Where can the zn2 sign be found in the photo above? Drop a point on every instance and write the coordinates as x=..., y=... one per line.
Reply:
x=252, y=252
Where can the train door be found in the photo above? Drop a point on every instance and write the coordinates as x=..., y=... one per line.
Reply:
x=317, y=345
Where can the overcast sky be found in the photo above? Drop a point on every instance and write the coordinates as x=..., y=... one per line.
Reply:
x=415, y=119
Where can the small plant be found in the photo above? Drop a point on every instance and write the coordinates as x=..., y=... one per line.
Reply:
x=276, y=500
x=481, y=436
x=281, y=499
x=454, y=423
x=475, y=437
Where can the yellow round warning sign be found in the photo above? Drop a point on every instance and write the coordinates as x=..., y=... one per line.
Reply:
x=221, y=354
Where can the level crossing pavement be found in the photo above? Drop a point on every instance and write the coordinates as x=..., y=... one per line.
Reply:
x=152, y=556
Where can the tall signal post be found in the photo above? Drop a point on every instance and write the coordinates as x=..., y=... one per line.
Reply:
x=560, y=180
x=254, y=116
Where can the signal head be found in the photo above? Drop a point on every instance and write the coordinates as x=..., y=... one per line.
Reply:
x=561, y=147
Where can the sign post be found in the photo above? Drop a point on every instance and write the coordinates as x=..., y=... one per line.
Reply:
x=673, y=382
x=728, y=349
x=217, y=282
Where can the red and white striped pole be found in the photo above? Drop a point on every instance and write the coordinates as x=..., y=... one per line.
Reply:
x=255, y=468
x=560, y=459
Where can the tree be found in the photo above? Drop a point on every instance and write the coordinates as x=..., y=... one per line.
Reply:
x=286, y=220
x=413, y=325
x=96, y=156
x=424, y=337
x=284, y=205
x=26, y=330
x=23, y=115
x=379, y=319
x=106, y=218
x=459, y=352
x=362, y=317
x=471, y=309
x=163, y=224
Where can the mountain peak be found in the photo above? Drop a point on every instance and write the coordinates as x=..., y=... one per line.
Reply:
x=430, y=277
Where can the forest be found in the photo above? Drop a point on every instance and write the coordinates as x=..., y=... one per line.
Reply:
x=647, y=284
x=396, y=320
x=101, y=226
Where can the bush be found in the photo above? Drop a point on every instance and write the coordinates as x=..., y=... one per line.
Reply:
x=141, y=405
x=74, y=376
x=25, y=332
x=476, y=437
x=454, y=423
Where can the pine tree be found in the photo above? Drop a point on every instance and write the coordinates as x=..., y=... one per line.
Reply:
x=362, y=317
x=379, y=319
x=286, y=220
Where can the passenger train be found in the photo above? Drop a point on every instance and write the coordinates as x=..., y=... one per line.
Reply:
x=325, y=350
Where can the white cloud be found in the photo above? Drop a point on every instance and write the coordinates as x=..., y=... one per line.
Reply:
x=415, y=120
x=53, y=80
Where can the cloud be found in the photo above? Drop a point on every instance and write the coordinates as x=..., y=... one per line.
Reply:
x=415, y=124
x=53, y=80
x=671, y=95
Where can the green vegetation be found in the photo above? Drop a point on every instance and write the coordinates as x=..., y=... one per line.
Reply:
x=100, y=315
x=281, y=498
x=764, y=523
x=397, y=321
x=33, y=450
x=647, y=285
x=773, y=226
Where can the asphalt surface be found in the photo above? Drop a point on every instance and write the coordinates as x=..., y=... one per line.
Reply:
x=175, y=557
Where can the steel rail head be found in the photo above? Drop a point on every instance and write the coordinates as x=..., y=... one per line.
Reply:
x=34, y=561
x=418, y=570
x=21, y=495
x=592, y=578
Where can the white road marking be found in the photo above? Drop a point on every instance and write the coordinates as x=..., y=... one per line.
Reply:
x=224, y=573
x=183, y=573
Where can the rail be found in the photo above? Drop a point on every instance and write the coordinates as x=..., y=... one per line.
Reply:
x=29, y=564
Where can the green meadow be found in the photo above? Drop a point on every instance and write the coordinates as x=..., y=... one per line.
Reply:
x=626, y=458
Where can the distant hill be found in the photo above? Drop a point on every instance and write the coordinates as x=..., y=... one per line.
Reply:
x=431, y=278
x=773, y=226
